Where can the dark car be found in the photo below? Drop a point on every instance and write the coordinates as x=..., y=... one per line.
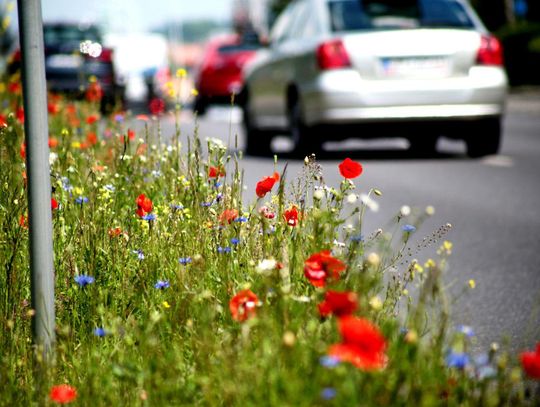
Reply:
x=220, y=72
x=74, y=58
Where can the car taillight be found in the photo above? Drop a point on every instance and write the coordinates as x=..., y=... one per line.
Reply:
x=332, y=55
x=490, y=51
x=106, y=55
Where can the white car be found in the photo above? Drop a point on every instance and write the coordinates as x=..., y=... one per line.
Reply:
x=416, y=69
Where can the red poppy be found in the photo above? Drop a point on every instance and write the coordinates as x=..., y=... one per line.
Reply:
x=362, y=344
x=350, y=169
x=267, y=212
x=228, y=216
x=156, y=106
x=131, y=134
x=115, y=232
x=3, y=121
x=531, y=363
x=266, y=184
x=322, y=266
x=94, y=92
x=63, y=393
x=20, y=115
x=291, y=216
x=243, y=305
x=14, y=87
x=214, y=172
x=91, y=138
x=53, y=108
x=23, y=221
x=22, y=151
x=53, y=142
x=142, y=117
x=338, y=303
x=54, y=204
x=144, y=205
x=91, y=119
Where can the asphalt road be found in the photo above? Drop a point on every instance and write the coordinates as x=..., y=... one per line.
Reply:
x=493, y=204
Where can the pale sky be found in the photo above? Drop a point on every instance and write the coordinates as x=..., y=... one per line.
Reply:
x=132, y=15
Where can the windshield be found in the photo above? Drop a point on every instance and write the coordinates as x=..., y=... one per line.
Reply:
x=57, y=34
x=347, y=15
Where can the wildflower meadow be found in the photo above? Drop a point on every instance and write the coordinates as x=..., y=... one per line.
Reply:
x=177, y=284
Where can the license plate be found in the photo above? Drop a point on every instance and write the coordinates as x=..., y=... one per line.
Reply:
x=418, y=67
x=64, y=61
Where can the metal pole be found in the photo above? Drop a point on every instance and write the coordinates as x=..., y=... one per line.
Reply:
x=39, y=183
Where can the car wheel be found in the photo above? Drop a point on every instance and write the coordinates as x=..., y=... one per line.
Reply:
x=200, y=105
x=305, y=140
x=484, y=138
x=257, y=141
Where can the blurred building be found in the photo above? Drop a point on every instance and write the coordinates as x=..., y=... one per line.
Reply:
x=253, y=14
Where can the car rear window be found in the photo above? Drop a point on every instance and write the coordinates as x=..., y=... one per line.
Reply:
x=347, y=15
x=57, y=34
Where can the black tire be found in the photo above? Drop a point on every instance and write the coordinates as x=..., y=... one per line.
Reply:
x=258, y=142
x=305, y=140
x=484, y=138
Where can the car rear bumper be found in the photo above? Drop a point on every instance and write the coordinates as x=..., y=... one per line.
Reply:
x=343, y=97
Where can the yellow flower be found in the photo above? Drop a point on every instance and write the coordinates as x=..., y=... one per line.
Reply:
x=78, y=191
x=376, y=303
x=181, y=73
x=430, y=263
x=445, y=248
x=472, y=283
x=76, y=144
x=418, y=268
x=411, y=336
x=194, y=92
x=165, y=304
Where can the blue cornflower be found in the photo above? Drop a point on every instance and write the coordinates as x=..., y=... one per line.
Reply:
x=207, y=204
x=241, y=219
x=66, y=186
x=81, y=199
x=408, y=228
x=109, y=187
x=184, y=260
x=119, y=118
x=357, y=238
x=457, y=359
x=162, y=284
x=329, y=361
x=177, y=207
x=235, y=241
x=139, y=253
x=465, y=330
x=217, y=185
x=328, y=393
x=100, y=332
x=223, y=249
x=149, y=217
x=219, y=197
x=83, y=280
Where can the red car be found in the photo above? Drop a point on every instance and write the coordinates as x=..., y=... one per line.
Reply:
x=220, y=72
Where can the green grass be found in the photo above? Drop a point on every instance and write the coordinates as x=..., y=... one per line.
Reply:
x=180, y=345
